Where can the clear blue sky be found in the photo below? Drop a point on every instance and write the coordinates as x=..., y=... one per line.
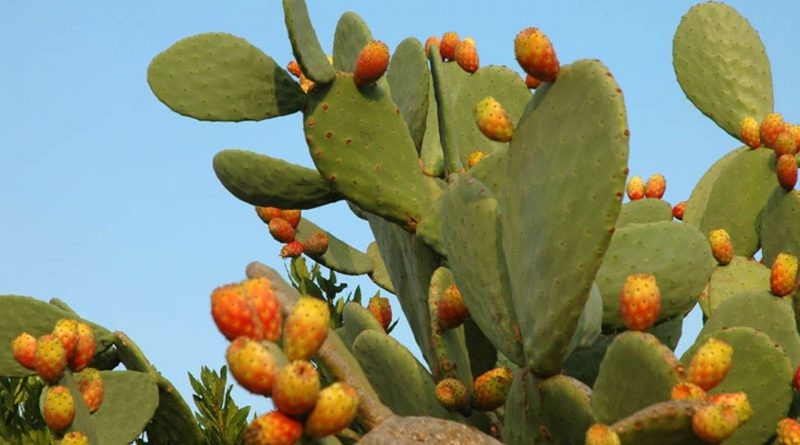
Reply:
x=109, y=200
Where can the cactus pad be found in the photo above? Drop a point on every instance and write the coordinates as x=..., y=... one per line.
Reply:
x=742, y=274
x=778, y=231
x=307, y=50
x=644, y=211
x=351, y=35
x=565, y=408
x=664, y=423
x=129, y=401
x=379, y=274
x=409, y=82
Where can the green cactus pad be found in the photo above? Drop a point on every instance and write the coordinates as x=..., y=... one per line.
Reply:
x=678, y=255
x=736, y=200
x=742, y=274
x=340, y=256
x=351, y=35
x=305, y=46
x=355, y=320
x=722, y=66
x=401, y=382
x=584, y=363
x=664, y=423
x=561, y=200
x=409, y=81
x=379, y=274
x=565, y=408
x=129, y=401
x=261, y=180
x=761, y=311
x=779, y=231
x=449, y=345
x=698, y=200
x=25, y=314
x=221, y=77
x=473, y=237
x=491, y=170
x=523, y=410
x=636, y=371
x=431, y=154
x=644, y=211
x=763, y=371
x=361, y=145
x=429, y=229
x=591, y=321
x=446, y=79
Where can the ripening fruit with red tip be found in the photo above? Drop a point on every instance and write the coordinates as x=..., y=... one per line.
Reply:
x=772, y=126
x=275, y=428
x=536, y=55
x=750, y=132
x=50, y=359
x=58, y=408
x=451, y=310
x=306, y=328
x=493, y=120
x=655, y=186
x=677, y=211
x=635, y=188
x=721, y=246
x=24, y=349
x=296, y=388
x=252, y=365
x=640, y=301
x=335, y=410
x=372, y=62
x=448, y=45
x=467, y=55
x=786, y=171
x=783, y=274
x=710, y=364
x=381, y=310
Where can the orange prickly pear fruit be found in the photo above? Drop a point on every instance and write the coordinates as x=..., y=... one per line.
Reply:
x=599, y=434
x=381, y=309
x=84, y=348
x=281, y=230
x=74, y=438
x=292, y=216
x=490, y=389
x=714, y=423
x=252, y=365
x=493, y=120
x=785, y=143
x=786, y=170
x=292, y=250
x=58, y=408
x=536, y=55
x=372, y=62
x=475, y=157
x=296, y=388
x=448, y=45
x=67, y=331
x=750, y=132
x=334, y=411
x=710, y=364
x=432, y=40
x=451, y=310
x=306, y=328
x=316, y=245
x=687, y=391
x=452, y=394
x=655, y=186
x=736, y=400
x=783, y=276
x=771, y=127
x=640, y=301
x=267, y=213
x=532, y=82
x=788, y=432
x=467, y=55
x=275, y=428
x=24, y=349
x=635, y=188
x=677, y=211
x=90, y=385
x=233, y=312
x=294, y=68
x=265, y=304
x=721, y=246
x=50, y=359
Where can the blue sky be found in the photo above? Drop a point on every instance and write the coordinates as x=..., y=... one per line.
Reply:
x=109, y=200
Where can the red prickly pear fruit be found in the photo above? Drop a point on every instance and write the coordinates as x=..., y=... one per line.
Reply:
x=448, y=45
x=294, y=68
x=296, y=388
x=721, y=246
x=710, y=364
x=687, y=391
x=750, y=132
x=432, y=40
x=532, y=82
x=490, y=389
x=67, y=331
x=451, y=310
x=452, y=394
x=677, y=211
x=90, y=385
x=381, y=309
x=785, y=143
x=771, y=127
x=58, y=408
x=50, y=359
x=714, y=423
x=736, y=400
x=788, y=432
x=635, y=188
x=786, y=170
x=599, y=434
x=292, y=250
x=267, y=213
x=292, y=216
x=334, y=411
x=84, y=348
x=655, y=186
x=316, y=245
x=467, y=55
x=783, y=276
x=74, y=438
x=24, y=349
x=306, y=328
x=273, y=428
x=252, y=365
x=535, y=54
x=475, y=157
x=640, y=301
x=371, y=63
x=493, y=120
x=281, y=230
x=266, y=306
x=233, y=312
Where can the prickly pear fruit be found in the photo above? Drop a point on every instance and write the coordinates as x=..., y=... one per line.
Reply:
x=795, y=131
x=710, y=364
x=316, y=245
x=334, y=411
x=233, y=312
x=786, y=170
x=306, y=328
x=84, y=348
x=296, y=388
x=655, y=186
x=785, y=143
x=451, y=310
x=493, y=120
x=24, y=349
x=252, y=365
x=281, y=230
x=467, y=55
x=635, y=188
x=74, y=438
x=381, y=309
x=67, y=331
x=266, y=306
x=432, y=40
x=475, y=157
x=750, y=132
x=294, y=68
x=292, y=250
x=448, y=45
x=58, y=407
x=783, y=276
x=677, y=211
x=599, y=434
x=714, y=423
x=532, y=82
x=371, y=63
x=687, y=391
x=736, y=400
x=452, y=394
x=640, y=301
x=273, y=428
x=771, y=127
x=721, y=246
x=535, y=54
x=90, y=384
x=268, y=213
x=292, y=216
x=788, y=432
x=490, y=389
x=50, y=359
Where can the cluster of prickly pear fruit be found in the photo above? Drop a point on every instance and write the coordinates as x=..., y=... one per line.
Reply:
x=282, y=226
